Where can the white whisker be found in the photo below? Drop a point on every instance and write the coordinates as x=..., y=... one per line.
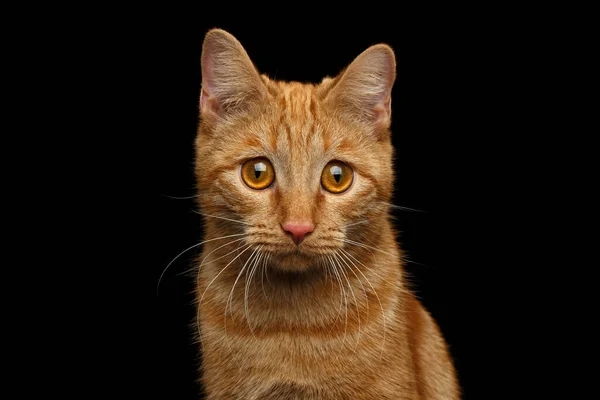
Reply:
x=263, y=272
x=230, y=298
x=216, y=259
x=267, y=274
x=188, y=249
x=404, y=258
x=219, y=217
x=363, y=245
x=220, y=272
x=345, y=296
x=369, y=269
x=364, y=221
x=248, y=283
x=336, y=258
x=359, y=280
x=346, y=254
x=180, y=198
x=326, y=269
x=401, y=207
x=211, y=282
x=334, y=271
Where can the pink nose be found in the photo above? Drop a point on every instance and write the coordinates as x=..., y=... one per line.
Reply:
x=298, y=231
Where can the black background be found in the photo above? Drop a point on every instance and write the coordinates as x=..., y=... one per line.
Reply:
x=452, y=123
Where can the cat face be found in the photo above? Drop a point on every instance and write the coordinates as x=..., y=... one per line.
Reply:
x=297, y=168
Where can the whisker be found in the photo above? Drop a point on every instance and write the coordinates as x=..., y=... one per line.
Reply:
x=263, y=272
x=401, y=207
x=342, y=293
x=188, y=249
x=344, y=252
x=369, y=269
x=219, y=217
x=345, y=296
x=405, y=258
x=357, y=278
x=228, y=264
x=364, y=221
x=408, y=260
x=198, y=329
x=267, y=273
x=364, y=245
x=210, y=283
x=216, y=259
x=336, y=258
x=248, y=283
x=326, y=269
x=230, y=298
x=180, y=198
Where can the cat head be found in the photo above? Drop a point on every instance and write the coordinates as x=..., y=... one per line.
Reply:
x=301, y=170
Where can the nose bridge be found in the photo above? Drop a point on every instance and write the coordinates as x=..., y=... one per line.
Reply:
x=298, y=205
x=297, y=192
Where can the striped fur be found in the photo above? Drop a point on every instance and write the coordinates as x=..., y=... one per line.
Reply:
x=274, y=319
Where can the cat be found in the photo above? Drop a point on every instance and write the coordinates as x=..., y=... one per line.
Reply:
x=300, y=288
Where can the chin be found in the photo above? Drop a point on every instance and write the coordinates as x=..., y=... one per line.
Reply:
x=296, y=261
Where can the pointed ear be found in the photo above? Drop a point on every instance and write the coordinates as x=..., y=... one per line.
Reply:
x=230, y=82
x=363, y=91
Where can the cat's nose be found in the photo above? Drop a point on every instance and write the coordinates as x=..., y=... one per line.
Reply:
x=298, y=231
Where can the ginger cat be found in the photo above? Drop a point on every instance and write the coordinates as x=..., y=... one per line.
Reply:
x=300, y=289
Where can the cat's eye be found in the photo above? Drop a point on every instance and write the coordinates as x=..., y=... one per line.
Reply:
x=337, y=177
x=258, y=173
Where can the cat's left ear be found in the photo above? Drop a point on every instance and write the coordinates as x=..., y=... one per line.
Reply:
x=363, y=91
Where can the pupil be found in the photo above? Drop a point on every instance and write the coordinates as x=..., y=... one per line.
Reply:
x=337, y=173
x=258, y=169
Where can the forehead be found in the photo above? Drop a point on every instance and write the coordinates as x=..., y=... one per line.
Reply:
x=300, y=126
x=294, y=125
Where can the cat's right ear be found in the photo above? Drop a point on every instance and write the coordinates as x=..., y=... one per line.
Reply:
x=230, y=82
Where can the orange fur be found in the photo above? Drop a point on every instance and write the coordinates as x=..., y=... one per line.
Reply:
x=325, y=319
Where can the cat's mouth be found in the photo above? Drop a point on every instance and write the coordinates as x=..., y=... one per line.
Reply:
x=309, y=254
x=295, y=260
x=298, y=259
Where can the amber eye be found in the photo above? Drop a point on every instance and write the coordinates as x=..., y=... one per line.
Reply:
x=258, y=173
x=337, y=177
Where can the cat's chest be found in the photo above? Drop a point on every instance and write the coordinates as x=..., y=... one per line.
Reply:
x=345, y=363
x=299, y=367
x=296, y=357
x=285, y=349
